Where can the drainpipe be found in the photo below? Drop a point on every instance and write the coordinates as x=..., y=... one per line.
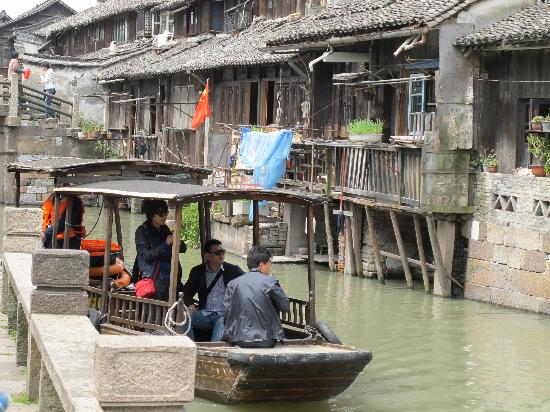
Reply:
x=318, y=59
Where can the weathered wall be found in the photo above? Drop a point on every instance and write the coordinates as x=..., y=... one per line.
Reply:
x=510, y=242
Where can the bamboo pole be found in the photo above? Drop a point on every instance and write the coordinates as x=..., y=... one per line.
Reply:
x=107, y=257
x=255, y=223
x=174, y=267
x=57, y=200
x=330, y=240
x=68, y=218
x=118, y=228
x=375, y=248
x=401, y=248
x=310, y=267
x=421, y=254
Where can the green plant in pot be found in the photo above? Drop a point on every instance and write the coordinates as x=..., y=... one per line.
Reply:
x=539, y=147
x=536, y=122
x=489, y=162
x=366, y=130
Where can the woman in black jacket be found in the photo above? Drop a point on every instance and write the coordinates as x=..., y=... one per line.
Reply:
x=154, y=248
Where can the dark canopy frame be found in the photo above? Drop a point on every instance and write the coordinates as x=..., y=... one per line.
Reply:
x=178, y=195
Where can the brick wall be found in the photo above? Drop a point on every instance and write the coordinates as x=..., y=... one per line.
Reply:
x=509, y=243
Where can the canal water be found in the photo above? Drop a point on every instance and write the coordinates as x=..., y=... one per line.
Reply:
x=430, y=354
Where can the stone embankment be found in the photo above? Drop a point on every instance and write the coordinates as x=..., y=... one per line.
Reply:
x=510, y=242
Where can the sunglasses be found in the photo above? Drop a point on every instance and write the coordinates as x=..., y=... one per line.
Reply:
x=218, y=252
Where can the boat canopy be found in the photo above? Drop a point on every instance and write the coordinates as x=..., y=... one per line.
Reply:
x=182, y=193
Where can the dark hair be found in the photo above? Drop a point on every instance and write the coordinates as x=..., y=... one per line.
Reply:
x=152, y=207
x=209, y=243
x=257, y=255
x=14, y=54
x=46, y=65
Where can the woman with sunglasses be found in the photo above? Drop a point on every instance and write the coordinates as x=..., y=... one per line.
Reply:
x=154, y=249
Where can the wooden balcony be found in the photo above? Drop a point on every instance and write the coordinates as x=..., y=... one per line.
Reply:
x=239, y=17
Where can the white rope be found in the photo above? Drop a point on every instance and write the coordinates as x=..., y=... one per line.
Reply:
x=171, y=324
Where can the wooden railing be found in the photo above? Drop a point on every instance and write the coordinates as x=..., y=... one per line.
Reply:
x=300, y=165
x=239, y=17
x=297, y=315
x=386, y=173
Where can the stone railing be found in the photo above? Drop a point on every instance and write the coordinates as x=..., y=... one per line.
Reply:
x=70, y=367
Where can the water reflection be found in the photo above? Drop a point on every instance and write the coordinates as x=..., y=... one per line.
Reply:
x=430, y=354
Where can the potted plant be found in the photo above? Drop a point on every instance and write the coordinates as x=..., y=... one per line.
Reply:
x=366, y=130
x=489, y=162
x=536, y=123
x=539, y=147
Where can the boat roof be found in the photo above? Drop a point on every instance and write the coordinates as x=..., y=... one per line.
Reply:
x=60, y=166
x=187, y=193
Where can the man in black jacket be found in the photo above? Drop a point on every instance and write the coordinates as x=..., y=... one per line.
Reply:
x=209, y=281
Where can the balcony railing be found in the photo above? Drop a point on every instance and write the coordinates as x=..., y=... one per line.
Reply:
x=390, y=174
x=239, y=17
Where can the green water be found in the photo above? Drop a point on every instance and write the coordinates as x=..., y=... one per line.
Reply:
x=430, y=354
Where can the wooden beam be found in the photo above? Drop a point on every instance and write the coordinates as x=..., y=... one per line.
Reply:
x=374, y=243
x=310, y=267
x=401, y=248
x=330, y=240
x=68, y=218
x=412, y=262
x=202, y=232
x=421, y=254
x=207, y=224
x=350, y=267
x=107, y=257
x=57, y=200
x=174, y=265
x=255, y=223
x=440, y=272
x=17, y=188
x=118, y=228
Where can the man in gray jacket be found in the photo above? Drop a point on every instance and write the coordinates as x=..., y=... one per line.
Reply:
x=252, y=304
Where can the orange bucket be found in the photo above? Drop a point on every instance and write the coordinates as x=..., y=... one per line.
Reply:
x=26, y=73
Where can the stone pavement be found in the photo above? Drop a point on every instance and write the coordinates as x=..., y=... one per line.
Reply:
x=12, y=378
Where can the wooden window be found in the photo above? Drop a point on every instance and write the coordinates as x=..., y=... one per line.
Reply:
x=156, y=23
x=166, y=22
x=193, y=21
x=148, y=23
x=120, y=30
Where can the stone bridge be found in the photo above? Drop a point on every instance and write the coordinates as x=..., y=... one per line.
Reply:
x=70, y=366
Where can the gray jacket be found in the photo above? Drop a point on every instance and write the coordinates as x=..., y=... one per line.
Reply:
x=252, y=304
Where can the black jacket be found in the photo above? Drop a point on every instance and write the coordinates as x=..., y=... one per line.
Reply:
x=147, y=255
x=251, y=308
x=197, y=282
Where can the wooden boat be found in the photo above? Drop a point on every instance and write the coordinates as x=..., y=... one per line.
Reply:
x=310, y=364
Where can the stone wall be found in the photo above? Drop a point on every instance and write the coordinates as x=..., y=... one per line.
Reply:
x=509, y=242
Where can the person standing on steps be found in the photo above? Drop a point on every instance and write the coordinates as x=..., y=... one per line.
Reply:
x=47, y=78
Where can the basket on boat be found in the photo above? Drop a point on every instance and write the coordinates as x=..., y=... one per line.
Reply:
x=96, y=249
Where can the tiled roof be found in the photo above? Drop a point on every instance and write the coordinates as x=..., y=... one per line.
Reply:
x=37, y=9
x=173, y=5
x=530, y=24
x=97, y=13
x=205, y=52
x=359, y=17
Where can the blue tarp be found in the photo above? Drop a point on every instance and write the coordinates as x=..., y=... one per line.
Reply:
x=266, y=153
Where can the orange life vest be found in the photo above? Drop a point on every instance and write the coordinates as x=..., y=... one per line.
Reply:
x=48, y=213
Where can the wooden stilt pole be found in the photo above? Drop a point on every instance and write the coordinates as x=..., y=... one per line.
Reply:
x=255, y=223
x=175, y=257
x=356, y=229
x=443, y=261
x=375, y=248
x=68, y=218
x=330, y=241
x=207, y=224
x=17, y=187
x=401, y=248
x=421, y=254
x=310, y=267
x=349, y=255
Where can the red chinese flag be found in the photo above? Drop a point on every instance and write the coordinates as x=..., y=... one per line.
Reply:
x=202, y=111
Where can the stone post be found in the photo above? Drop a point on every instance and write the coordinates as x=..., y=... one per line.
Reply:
x=295, y=218
x=167, y=360
x=22, y=338
x=59, y=276
x=13, y=110
x=49, y=399
x=22, y=229
x=4, y=297
x=75, y=112
x=34, y=364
